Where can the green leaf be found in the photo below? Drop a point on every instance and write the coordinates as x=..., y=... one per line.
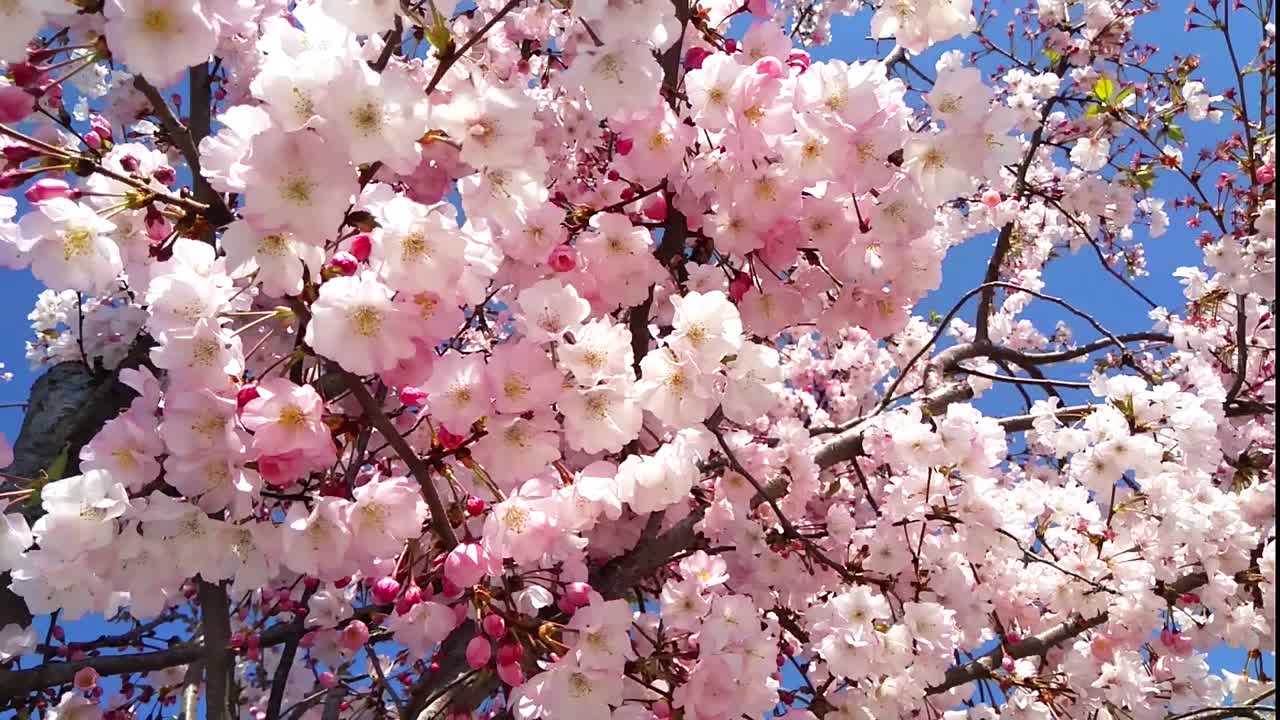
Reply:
x=1053, y=55
x=1145, y=177
x=439, y=36
x=1176, y=133
x=59, y=465
x=1093, y=111
x=1104, y=89
x=1122, y=96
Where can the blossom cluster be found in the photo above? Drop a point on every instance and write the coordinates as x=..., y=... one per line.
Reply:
x=570, y=357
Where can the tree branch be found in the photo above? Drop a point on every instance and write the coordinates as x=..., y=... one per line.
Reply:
x=215, y=620
x=419, y=468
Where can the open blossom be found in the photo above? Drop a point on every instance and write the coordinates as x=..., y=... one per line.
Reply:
x=285, y=417
x=79, y=512
x=160, y=38
x=70, y=246
x=356, y=324
x=316, y=542
x=549, y=308
x=706, y=327
x=458, y=391
x=385, y=514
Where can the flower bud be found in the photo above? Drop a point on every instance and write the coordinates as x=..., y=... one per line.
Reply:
x=694, y=57
x=475, y=506
x=25, y=75
x=770, y=67
x=562, y=258
x=512, y=675
x=361, y=246
x=411, y=597
x=411, y=396
x=86, y=678
x=48, y=189
x=165, y=175
x=354, y=635
x=344, y=263
x=385, y=590
x=799, y=59
x=493, y=625
x=328, y=680
x=479, y=652
x=510, y=653
x=578, y=593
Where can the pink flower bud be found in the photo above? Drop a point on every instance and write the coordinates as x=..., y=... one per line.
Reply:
x=360, y=247
x=19, y=153
x=466, y=564
x=493, y=625
x=411, y=396
x=165, y=175
x=655, y=207
x=510, y=653
x=344, y=263
x=479, y=651
x=86, y=678
x=770, y=67
x=354, y=635
x=562, y=258
x=411, y=597
x=730, y=45
x=102, y=126
x=475, y=506
x=512, y=675
x=48, y=189
x=990, y=198
x=578, y=593
x=1267, y=174
x=15, y=104
x=26, y=75
x=130, y=163
x=93, y=140
x=799, y=59
x=328, y=680
x=694, y=57
x=566, y=606
x=449, y=440
x=385, y=590
x=623, y=145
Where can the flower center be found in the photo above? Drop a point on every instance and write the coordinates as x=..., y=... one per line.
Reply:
x=366, y=321
x=292, y=417
x=157, y=21
x=274, y=245
x=297, y=189
x=414, y=246
x=516, y=519
x=367, y=118
x=77, y=243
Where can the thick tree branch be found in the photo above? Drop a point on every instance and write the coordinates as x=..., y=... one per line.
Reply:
x=215, y=620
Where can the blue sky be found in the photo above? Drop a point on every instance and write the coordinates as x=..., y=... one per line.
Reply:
x=1079, y=277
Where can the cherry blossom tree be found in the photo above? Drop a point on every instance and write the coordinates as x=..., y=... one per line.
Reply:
x=541, y=359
